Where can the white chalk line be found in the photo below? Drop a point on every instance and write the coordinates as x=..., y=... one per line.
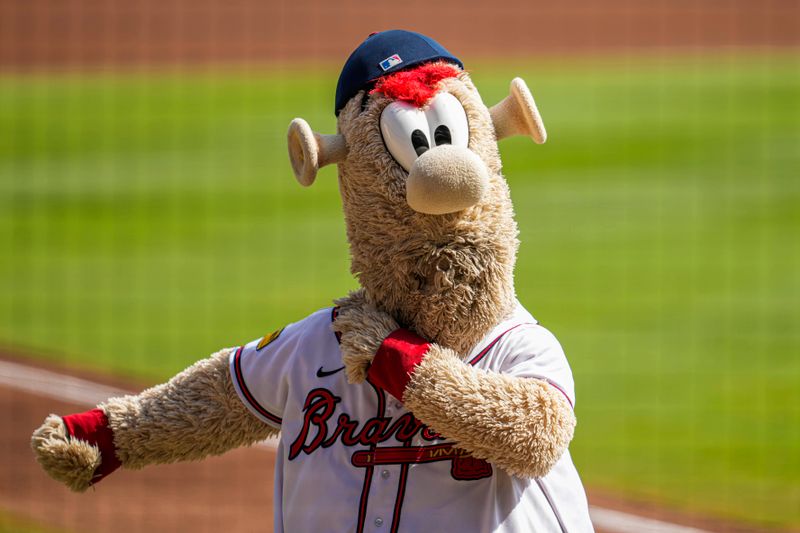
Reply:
x=82, y=392
x=619, y=522
x=66, y=388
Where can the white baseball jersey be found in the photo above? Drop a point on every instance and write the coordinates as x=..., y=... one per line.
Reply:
x=352, y=458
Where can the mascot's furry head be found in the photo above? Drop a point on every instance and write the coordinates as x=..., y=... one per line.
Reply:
x=429, y=218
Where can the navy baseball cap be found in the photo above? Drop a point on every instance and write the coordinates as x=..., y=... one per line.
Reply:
x=383, y=53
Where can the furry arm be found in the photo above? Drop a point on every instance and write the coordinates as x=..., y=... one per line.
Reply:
x=521, y=425
x=195, y=414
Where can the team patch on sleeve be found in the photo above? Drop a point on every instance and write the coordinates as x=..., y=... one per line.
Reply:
x=267, y=339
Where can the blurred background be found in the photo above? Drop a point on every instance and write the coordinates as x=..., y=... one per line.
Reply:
x=149, y=216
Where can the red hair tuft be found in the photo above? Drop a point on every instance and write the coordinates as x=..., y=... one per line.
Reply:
x=417, y=85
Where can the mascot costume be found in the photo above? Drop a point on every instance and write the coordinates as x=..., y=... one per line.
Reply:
x=427, y=400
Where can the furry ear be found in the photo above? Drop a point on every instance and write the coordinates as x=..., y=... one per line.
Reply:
x=517, y=114
x=309, y=151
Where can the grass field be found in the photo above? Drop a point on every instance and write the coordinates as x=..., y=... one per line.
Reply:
x=148, y=219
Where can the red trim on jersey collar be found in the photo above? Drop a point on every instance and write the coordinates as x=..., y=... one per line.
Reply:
x=334, y=314
x=489, y=346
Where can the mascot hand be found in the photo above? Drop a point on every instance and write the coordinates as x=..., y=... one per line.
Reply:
x=77, y=450
x=362, y=328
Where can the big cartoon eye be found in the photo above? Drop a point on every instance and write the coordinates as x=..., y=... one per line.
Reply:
x=405, y=132
x=447, y=121
x=409, y=132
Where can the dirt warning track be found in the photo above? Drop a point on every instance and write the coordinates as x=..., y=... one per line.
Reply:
x=112, y=33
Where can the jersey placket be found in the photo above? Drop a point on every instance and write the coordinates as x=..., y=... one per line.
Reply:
x=384, y=485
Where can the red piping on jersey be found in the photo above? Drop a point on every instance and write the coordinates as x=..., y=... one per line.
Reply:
x=401, y=494
x=556, y=386
x=237, y=366
x=491, y=344
x=550, y=501
x=549, y=381
x=362, y=504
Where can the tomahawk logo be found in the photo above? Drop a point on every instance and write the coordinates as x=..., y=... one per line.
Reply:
x=390, y=61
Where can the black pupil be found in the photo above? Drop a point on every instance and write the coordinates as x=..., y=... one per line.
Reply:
x=419, y=142
x=442, y=135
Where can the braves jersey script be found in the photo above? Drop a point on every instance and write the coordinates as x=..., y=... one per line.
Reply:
x=352, y=458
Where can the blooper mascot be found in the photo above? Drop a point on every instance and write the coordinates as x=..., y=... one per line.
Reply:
x=427, y=400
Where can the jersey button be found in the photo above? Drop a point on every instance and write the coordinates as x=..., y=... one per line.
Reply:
x=379, y=521
x=385, y=474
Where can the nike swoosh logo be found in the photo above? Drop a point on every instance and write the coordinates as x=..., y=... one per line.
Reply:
x=325, y=373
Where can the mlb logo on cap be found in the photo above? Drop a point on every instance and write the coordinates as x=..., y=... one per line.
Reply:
x=390, y=61
x=384, y=53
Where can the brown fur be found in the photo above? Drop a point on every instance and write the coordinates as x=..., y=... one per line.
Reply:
x=366, y=328
x=521, y=425
x=195, y=414
x=447, y=277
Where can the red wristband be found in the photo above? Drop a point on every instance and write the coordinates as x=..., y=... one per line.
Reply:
x=398, y=356
x=92, y=427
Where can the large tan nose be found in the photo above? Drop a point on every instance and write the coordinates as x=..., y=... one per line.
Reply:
x=446, y=179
